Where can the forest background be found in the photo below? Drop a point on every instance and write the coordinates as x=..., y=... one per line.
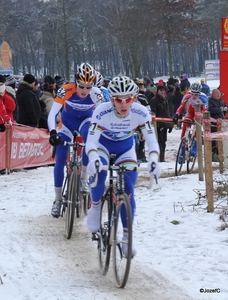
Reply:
x=132, y=37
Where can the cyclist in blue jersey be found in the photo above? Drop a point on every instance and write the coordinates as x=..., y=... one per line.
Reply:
x=76, y=101
x=99, y=83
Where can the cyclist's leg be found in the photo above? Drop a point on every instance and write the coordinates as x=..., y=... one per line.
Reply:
x=61, y=157
x=187, y=119
x=83, y=129
x=93, y=218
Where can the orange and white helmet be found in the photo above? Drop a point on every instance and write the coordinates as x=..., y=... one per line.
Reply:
x=86, y=74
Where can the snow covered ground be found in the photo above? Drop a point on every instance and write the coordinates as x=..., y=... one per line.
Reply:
x=181, y=249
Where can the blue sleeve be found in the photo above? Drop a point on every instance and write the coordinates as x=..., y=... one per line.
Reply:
x=204, y=99
x=106, y=95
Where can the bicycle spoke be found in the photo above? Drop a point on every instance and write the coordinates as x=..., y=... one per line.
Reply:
x=104, y=248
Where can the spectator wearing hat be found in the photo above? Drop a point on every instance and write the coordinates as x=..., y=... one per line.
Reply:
x=29, y=107
x=160, y=108
x=10, y=89
x=47, y=98
x=205, y=88
x=7, y=99
x=184, y=84
x=153, y=90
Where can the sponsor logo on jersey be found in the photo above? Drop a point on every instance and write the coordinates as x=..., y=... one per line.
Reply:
x=139, y=112
x=119, y=125
x=104, y=112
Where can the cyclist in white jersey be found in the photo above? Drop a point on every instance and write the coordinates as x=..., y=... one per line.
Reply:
x=112, y=131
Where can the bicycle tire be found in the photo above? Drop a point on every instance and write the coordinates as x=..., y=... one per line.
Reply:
x=86, y=202
x=70, y=202
x=122, y=263
x=78, y=198
x=178, y=166
x=104, y=246
x=191, y=160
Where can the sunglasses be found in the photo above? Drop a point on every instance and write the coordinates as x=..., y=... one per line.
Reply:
x=84, y=87
x=195, y=94
x=119, y=100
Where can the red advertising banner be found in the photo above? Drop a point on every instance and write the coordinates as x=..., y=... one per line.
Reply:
x=224, y=38
x=29, y=147
x=3, y=150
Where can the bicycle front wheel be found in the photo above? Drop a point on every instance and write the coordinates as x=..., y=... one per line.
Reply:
x=70, y=202
x=104, y=247
x=180, y=159
x=122, y=258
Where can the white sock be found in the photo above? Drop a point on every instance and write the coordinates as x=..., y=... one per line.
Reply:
x=58, y=193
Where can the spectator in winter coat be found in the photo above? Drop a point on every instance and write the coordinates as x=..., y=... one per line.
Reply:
x=3, y=115
x=217, y=108
x=176, y=99
x=185, y=84
x=10, y=89
x=160, y=108
x=47, y=98
x=29, y=107
x=205, y=88
x=7, y=99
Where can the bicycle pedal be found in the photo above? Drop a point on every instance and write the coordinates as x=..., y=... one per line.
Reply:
x=95, y=237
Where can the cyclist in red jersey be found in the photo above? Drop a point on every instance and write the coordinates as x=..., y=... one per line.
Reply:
x=191, y=98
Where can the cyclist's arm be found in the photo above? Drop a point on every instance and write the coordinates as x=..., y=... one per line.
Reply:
x=56, y=107
x=204, y=99
x=92, y=140
x=97, y=96
x=149, y=135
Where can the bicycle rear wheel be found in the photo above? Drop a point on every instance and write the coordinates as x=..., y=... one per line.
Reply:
x=191, y=160
x=121, y=262
x=180, y=159
x=70, y=202
x=104, y=247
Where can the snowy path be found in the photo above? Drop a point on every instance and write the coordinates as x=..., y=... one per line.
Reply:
x=38, y=262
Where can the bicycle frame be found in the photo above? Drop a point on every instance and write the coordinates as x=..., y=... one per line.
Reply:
x=184, y=153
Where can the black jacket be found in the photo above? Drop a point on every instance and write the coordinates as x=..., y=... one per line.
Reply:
x=160, y=107
x=29, y=107
x=176, y=99
x=214, y=107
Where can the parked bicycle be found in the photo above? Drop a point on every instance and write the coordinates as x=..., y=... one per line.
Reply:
x=73, y=199
x=187, y=152
x=110, y=234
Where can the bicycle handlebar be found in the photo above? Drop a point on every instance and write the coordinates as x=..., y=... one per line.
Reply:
x=65, y=143
x=116, y=168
